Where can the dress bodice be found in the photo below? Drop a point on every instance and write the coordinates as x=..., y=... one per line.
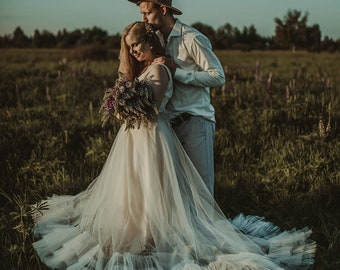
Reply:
x=168, y=93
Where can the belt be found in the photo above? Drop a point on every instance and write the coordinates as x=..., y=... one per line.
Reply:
x=180, y=119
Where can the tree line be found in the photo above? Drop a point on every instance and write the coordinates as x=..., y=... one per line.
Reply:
x=291, y=33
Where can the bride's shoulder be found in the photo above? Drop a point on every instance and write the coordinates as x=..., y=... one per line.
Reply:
x=160, y=69
x=159, y=66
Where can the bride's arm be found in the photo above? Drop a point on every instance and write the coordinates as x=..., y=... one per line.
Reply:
x=158, y=79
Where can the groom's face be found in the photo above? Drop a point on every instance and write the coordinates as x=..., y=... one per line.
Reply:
x=151, y=13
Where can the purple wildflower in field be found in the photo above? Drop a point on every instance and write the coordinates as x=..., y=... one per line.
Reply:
x=130, y=102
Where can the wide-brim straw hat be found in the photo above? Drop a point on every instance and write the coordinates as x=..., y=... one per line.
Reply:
x=167, y=3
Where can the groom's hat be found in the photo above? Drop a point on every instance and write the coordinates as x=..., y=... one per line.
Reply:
x=167, y=3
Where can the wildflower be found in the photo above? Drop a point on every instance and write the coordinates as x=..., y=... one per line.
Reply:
x=322, y=132
x=130, y=102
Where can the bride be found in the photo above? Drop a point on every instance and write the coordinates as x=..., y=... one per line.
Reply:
x=149, y=208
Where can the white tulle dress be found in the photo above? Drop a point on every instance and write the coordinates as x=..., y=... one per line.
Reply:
x=150, y=209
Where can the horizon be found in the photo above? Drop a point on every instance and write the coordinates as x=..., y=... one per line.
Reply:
x=112, y=16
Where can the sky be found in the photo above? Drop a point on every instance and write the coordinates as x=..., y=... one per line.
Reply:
x=114, y=15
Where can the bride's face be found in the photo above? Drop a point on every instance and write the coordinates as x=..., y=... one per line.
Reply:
x=139, y=49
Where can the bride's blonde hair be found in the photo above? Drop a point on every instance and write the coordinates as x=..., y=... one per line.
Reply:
x=143, y=31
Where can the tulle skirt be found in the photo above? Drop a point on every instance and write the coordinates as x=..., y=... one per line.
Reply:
x=150, y=209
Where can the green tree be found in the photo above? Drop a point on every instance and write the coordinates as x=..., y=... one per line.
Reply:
x=250, y=39
x=36, y=42
x=20, y=40
x=5, y=41
x=292, y=32
x=113, y=41
x=67, y=39
x=314, y=38
x=328, y=44
x=45, y=39
x=227, y=36
x=92, y=36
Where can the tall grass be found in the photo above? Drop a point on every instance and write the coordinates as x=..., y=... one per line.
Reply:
x=276, y=147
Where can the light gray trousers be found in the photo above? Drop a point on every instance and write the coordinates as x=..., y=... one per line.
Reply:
x=197, y=137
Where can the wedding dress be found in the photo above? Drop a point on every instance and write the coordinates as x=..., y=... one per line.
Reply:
x=150, y=209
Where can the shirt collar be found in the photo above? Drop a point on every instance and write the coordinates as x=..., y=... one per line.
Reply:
x=177, y=29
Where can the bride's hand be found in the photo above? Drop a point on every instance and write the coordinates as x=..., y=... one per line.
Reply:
x=159, y=60
x=168, y=61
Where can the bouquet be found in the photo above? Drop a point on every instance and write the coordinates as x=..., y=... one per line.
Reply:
x=130, y=102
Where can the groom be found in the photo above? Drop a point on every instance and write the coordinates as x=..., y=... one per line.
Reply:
x=195, y=69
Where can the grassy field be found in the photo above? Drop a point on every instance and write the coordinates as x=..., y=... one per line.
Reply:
x=277, y=148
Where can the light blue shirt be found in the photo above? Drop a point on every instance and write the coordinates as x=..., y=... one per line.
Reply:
x=198, y=69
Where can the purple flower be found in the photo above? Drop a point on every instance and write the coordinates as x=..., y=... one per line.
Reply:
x=130, y=102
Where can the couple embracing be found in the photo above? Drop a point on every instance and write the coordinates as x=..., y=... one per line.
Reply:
x=152, y=205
